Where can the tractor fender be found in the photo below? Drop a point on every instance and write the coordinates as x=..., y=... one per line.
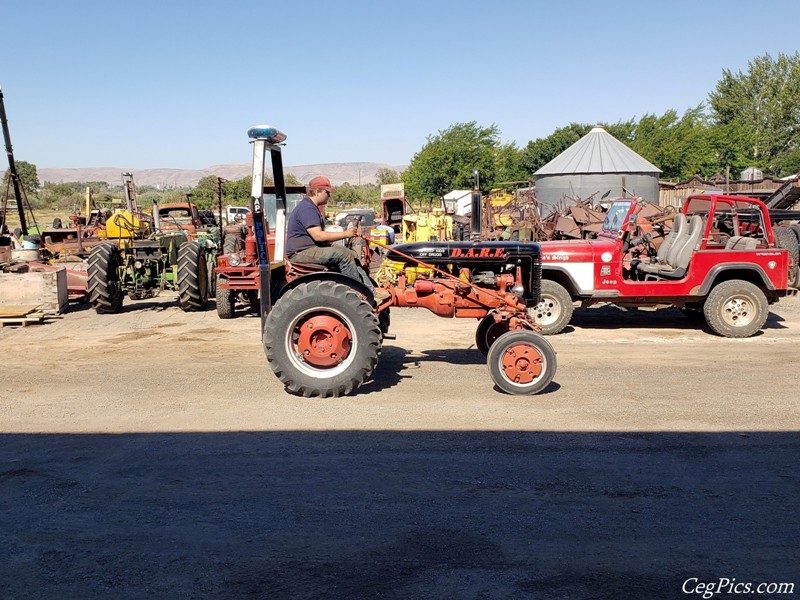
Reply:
x=329, y=276
x=755, y=272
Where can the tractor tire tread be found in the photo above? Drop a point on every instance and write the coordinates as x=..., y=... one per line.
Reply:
x=105, y=292
x=192, y=277
x=324, y=294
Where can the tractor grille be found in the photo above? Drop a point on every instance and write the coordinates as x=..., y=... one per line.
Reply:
x=147, y=250
x=536, y=278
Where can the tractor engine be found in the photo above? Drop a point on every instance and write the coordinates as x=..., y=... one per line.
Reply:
x=463, y=279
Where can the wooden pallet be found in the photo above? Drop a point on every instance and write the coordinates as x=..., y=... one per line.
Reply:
x=20, y=315
x=21, y=321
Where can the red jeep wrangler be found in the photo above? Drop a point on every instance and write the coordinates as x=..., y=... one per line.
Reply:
x=719, y=261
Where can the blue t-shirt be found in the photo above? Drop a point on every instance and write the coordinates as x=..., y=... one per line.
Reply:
x=306, y=214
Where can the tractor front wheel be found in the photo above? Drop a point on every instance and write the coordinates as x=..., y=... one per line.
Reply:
x=226, y=301
x=322, y=339
x=192, y=277
x=488, y=332
x=521, y=362
x=105, y=288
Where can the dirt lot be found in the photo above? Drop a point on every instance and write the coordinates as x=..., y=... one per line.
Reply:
x=153, y=454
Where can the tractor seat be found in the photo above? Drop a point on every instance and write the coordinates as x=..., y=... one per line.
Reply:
x=303, y=268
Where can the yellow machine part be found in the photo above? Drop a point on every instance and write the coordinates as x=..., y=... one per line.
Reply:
x=124, y=224
x=499, y=199
x=390, y=270
x=428, y=226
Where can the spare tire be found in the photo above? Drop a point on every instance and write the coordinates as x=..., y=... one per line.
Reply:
x=786, y=238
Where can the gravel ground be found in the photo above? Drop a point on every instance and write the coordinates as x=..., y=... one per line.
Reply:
x=153, y=454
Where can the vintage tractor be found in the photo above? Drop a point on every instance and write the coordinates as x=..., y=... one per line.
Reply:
x=322, y=331
x=141, y=258
x=237, y=268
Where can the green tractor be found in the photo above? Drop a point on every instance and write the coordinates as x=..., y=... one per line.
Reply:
x=141, y=258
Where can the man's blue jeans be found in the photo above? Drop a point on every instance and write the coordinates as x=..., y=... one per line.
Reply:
x=336, y=258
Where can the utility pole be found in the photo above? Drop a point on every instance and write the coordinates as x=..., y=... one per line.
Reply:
x=12, y=167
x=220, y=181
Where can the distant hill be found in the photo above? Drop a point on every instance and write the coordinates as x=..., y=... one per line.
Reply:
x=338, y=173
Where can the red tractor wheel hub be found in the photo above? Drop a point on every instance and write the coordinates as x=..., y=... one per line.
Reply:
x=522, y=363
x=324, y=341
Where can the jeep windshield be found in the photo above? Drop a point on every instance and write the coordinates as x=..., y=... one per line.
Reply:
x=616, y=216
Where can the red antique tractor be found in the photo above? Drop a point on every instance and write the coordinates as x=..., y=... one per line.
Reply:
x=322, y=331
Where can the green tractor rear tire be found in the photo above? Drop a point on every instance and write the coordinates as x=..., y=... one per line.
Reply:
x=192, y=277
x=105, y=289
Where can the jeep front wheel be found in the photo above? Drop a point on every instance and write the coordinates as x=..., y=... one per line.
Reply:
x=554, y=310
x=736, y=309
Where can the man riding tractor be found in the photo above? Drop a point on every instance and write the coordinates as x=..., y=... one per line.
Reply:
x=322, y=330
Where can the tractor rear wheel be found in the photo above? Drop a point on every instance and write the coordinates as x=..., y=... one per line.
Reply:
x=226, y=301
x=555, y=308
x=192, y=277
x=105, y=289
x=736, y=309
x=322, y=339
x=521, y=362
x=488, y=332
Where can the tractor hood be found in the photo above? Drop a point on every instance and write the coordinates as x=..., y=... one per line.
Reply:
x=469, y=253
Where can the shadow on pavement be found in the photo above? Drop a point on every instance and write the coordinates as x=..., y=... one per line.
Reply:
x=395, y=514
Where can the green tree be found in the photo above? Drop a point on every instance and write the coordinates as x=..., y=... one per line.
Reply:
x=386, y=176
x=762, y=108
x=28, y=178
x=680, y=146
x=508, y=164
x=447, y=160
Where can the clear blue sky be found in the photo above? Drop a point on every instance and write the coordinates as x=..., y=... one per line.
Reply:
x=177, y=83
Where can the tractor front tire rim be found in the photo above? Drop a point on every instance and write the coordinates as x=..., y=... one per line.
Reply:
x=522, y=364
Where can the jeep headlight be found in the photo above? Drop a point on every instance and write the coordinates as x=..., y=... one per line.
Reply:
x=234, y=260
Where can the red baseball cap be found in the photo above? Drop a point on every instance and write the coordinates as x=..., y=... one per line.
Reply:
x=320, y=183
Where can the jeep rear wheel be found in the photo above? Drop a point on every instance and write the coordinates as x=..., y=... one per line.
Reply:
x=555, y=308
x=736, y=309
x=322, y=339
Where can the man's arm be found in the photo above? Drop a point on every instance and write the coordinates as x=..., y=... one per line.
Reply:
x=319, y=235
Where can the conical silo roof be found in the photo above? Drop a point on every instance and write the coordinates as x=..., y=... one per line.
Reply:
x=597, y=152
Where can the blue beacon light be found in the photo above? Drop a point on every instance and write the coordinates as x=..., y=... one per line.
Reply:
x=266, y=132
